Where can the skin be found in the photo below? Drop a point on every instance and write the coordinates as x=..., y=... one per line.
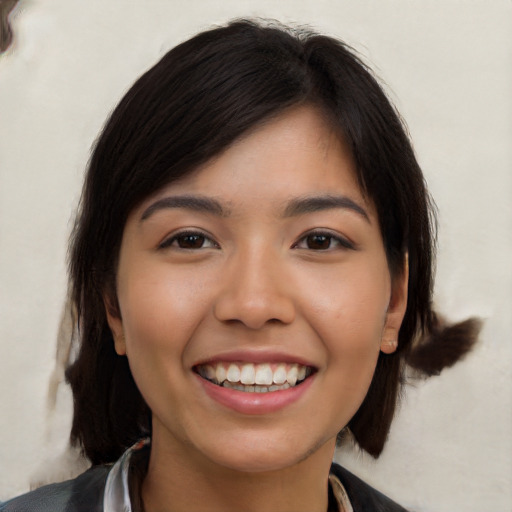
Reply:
x=259, y=283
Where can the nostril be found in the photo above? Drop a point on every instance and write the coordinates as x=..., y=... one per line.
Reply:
x=254, y=312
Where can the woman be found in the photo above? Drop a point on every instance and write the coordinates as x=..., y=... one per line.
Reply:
x=251, y=264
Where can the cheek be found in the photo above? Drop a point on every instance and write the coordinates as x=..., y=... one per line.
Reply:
x=349, y=305
x=348, y=315
x=159, y=317
x=156, y=332
x=159, y=306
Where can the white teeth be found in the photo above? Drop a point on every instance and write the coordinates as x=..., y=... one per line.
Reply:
x=277, y=388
x=292, y=375
x=263, y=375
x=233, y=374
x=247, y=374
x=209, y=372
x=256, y=378
x=280, y=374
x=255, y=389
x=220, y=373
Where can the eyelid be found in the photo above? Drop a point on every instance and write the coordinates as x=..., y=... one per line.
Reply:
x=169, y=240
x=343, y=241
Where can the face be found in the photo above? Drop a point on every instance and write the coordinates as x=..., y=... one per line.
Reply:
x=255, y=297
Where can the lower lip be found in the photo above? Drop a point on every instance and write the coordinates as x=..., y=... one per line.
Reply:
x=255, y=403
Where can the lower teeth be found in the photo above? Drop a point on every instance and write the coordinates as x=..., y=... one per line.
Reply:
x=255, y=388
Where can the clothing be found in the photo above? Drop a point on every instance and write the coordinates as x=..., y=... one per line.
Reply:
x=106, y=489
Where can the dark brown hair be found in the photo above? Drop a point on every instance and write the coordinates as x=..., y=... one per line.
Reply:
x=196, y=101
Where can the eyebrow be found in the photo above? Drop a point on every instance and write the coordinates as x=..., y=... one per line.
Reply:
x=303, y=205
x=296, y=207
x=188, y=202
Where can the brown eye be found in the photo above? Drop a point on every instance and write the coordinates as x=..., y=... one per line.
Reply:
x=318, y=242
x=323, y=241
x=190, y=241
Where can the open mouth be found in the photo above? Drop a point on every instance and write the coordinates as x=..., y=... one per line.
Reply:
x=255, y=378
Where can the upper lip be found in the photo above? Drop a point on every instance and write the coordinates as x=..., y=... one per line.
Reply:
x=255, y=356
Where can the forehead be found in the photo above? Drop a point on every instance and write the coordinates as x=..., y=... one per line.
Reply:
x=297, y=154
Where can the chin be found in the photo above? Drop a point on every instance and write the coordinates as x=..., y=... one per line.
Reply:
x=260, y=462
x=264, y=455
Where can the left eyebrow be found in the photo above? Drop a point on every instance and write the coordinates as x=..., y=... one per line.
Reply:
x=310, y=204
x=187, y=202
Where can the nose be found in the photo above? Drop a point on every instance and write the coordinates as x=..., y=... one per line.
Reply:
x=255, y=292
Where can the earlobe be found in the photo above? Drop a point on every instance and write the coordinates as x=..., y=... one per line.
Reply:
x=396, y=310
x=388, y=346
x=119, y=343
x=116, y=326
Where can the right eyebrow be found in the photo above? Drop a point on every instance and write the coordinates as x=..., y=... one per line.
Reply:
x=309, y=204
x=188, y=202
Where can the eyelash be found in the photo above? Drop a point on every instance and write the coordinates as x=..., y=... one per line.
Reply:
x=341, y=242
x=174, y=241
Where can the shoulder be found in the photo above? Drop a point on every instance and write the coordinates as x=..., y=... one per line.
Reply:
x=362, y=496
x=82, y=494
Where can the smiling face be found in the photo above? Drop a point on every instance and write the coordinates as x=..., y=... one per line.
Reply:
x=254, y=298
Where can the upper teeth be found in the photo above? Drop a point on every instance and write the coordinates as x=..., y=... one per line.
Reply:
x=249, y=374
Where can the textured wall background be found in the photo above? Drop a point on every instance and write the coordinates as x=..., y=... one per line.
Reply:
x=448, y=65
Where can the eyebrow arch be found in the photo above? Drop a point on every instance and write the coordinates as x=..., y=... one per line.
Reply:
x=302, y=205
x=188, y=202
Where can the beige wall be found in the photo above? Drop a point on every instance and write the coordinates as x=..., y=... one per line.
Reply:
x=448, y=65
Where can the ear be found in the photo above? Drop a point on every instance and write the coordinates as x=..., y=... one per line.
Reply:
x=396, y=310
x=115, y=323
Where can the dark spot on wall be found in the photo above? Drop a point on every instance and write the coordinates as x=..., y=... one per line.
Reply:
x=6, y=36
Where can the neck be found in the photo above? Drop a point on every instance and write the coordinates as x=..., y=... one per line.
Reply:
x=175, y=483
